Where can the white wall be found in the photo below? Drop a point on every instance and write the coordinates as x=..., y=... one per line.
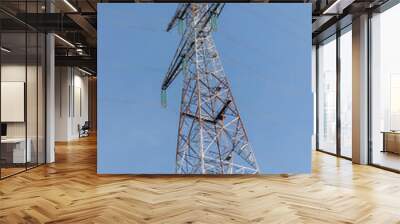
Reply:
x=80, y=112
x=16, y=72
x=71, y=87
x=62, y=82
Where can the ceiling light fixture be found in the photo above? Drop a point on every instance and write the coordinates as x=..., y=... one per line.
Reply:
x=64, y=40
x=70, y=5
x=84, y=71
x=337, y=7
x=79, y=51
x=5, y=50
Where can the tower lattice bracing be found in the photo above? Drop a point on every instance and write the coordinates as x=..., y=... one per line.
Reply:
x=211, y=135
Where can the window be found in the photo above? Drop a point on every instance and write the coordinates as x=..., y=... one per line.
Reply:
x=327, y=95
x=346, y=92
x=385, y=89
x=335, y=74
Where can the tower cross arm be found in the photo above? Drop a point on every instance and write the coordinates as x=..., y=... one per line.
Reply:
x=185, y=48
x=179, y=14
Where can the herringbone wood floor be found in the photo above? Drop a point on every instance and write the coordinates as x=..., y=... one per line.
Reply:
x=69, y=191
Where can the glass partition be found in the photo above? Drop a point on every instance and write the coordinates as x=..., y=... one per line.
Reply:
x=31, y=100
x=13, y=110
x=22, y=100
x=41, y=97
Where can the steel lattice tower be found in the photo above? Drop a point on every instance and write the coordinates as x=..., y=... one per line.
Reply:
x=211, y=136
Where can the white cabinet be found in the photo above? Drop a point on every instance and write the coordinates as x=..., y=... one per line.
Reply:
x=19, y=154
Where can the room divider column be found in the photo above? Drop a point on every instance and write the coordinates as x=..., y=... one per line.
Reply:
x=360, y=89
x=50, y=92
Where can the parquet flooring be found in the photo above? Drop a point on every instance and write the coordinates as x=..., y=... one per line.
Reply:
x=70, y=191
x=10, y=171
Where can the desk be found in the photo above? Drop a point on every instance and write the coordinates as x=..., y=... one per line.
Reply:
x=13, y=150
x=391, y=141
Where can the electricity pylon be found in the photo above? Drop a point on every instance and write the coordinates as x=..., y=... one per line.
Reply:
x=211, y=135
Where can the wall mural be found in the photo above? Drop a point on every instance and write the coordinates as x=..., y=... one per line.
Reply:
x=200, y=129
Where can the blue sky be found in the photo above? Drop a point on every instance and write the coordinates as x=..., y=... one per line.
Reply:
x=266, y=53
